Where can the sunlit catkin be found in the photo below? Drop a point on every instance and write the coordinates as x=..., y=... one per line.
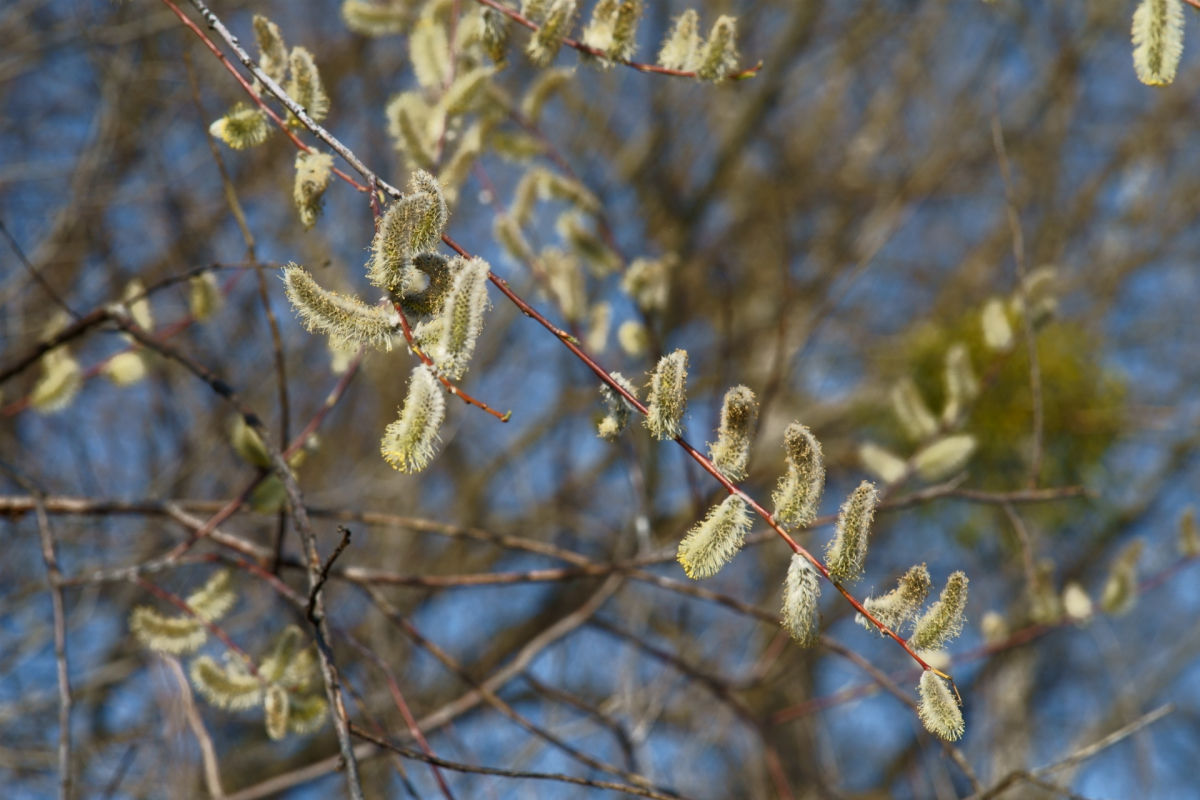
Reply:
x=313, y=171
x=617, y=408
x=713, y=541
x=681, y=47
x=413, y=224
x=612, y=28
x=943, y=620
x=739, y=416
x=462, y=318
x=495, y=35
x=409, y=443
x=173, y=634
x=799, y=490
x=900, y=604
x=230, y=687
x=305, y=87
x=719, y=57
x=939, y=710
x=847, y=551
x=547, y=39
x=801, y=591
x=242, y=127
x=668, y=396
x=424, y=283
x=61, y=380
x=338, y=315
x=272, y=52
x=1157, y=40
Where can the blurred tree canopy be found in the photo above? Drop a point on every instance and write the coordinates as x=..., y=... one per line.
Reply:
x=976, y=208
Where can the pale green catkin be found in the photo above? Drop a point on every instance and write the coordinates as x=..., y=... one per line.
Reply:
x=204, y=296
x=175, y=635
x=410, y=441
x=275, y=711
x=900, y=604
x=305, y=87
x=961, y=384
x=242, y=127
x=230, y=687
x=338, y=315
x=424, y=283
x=272, y=52
x=61, y=379
x=847, y=551
x=681, y=47
x=944, y=457
x=313, y=172
x=495, y=35
x=719, y=57
x=943, y=620
x=412, y=225
x=799, y=490
x=374, y=18
x=1157, y=40
x=739, y=416
x=713, y=541
x=939, y=710
x=462, y=318
x=617, y=408
x=911, y=412
x=547, y=39
x=882, y=463
x=801, y=592
x=668, y=396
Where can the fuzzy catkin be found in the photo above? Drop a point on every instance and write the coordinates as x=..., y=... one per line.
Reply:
x=410, y=442
x=900, y=604
x=668, y=396
x=462, y=318
x=739, y=415
x=799, y=490
x=847, y=551
x=713, y=541
x=943, y=620
x=338, y=315
x=801, y=591
x=939, y=710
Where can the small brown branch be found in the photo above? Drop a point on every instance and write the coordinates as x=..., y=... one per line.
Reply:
x=635, y=791
x=324, y=574
x=55, y=582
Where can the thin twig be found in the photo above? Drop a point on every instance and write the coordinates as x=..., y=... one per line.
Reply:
x=324, y=574
x=636, y=791
x=54, y=581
